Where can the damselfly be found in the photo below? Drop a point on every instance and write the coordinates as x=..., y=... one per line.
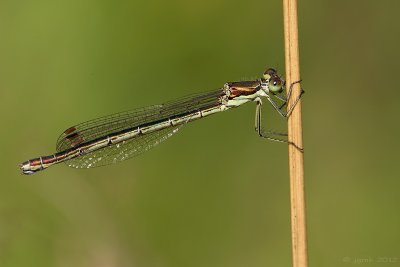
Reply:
x=120, y=136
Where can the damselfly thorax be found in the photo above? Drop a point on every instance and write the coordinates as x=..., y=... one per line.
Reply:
x=123, y=135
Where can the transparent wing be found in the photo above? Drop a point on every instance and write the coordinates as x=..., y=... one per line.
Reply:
x=100, y=127
x=122, y=151
x=104, y=126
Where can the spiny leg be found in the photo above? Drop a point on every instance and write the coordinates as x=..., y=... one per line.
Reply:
x=283, y=99
x=268, y=134
x=290, y=109
x=258, y=115
x=289, y=93
x=258, y=127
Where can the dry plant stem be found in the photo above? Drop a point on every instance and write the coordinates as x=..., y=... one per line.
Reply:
x=296, y=166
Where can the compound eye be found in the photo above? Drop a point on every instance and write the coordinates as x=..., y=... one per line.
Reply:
x=268, y=73
x=275, y=85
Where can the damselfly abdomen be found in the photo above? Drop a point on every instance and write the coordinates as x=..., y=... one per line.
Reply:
x=120, y=136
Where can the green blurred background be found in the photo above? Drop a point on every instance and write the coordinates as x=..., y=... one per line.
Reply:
x=215, y=194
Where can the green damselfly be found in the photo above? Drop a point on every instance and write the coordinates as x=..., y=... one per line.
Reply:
x=120, y=136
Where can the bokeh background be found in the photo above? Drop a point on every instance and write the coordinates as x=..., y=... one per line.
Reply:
x=215, y=194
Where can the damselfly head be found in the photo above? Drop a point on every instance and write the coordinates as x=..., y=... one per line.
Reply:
x=268, y=73
x=275, y=84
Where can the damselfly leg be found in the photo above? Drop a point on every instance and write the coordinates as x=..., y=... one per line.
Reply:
x=285, y=100
x=271, y=135
x=261, y=132
x=289, y=93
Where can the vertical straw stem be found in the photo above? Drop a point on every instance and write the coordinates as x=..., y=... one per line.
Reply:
x=296, y=160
